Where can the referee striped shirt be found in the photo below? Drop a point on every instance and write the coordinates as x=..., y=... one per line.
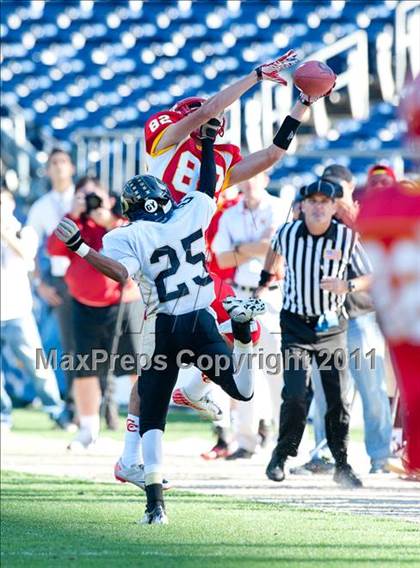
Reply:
x=310, y=258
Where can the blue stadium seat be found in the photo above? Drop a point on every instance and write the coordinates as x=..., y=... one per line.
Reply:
x=89, y=64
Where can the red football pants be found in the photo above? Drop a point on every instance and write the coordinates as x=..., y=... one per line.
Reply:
x=406, y=358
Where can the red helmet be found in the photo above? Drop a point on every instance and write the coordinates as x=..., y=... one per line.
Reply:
x=189, y=105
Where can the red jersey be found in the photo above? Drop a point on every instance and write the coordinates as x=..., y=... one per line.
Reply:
x=213, y=266
x=179, y=165
x=86, y=284
x=222, y=291
x=389, y=222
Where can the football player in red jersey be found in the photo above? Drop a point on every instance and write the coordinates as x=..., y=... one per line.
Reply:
x=173, y=146
x=389, y=222
x=172, y=136
x=227, y=199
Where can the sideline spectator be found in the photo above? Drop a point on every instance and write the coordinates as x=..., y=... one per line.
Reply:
x=95, y=305
x=18, y=327
x=380, y=177
x=242, y=241
x=44, y=216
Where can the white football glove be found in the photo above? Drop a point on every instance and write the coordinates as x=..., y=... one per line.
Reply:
x=68, y=232
x=307, y=100
x=271, y=71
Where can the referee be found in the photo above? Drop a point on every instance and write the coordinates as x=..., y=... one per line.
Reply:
x=318, y=252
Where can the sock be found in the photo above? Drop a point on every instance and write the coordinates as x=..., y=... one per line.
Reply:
x=90, y=425
x=131, y=454
x=242, y=331
x=154, y=495
x=244, y=368
x=152, y=452
x=196, y=388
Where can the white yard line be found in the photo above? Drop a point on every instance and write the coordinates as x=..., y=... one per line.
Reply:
x=384, y=495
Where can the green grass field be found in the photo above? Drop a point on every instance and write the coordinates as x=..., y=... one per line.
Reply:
x=51, y=522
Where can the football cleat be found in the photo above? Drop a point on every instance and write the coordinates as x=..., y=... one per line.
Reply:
x=156, y=516
x=240, y=454
x=134, y=474
x=220, y=450
x=206, y=407
x=243, y=311
x=345, y=476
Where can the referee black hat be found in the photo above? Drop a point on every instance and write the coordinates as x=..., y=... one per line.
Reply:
x=328, y=188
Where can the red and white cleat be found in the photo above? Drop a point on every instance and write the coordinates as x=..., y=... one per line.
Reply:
x=206, y=407
x=218, y=451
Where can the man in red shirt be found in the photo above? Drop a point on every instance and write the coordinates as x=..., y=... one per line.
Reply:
x=96, y=303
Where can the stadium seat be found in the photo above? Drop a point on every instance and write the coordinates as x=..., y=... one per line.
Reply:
x=94, y=64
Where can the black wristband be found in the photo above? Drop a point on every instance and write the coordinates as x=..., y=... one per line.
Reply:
x=75, y=242
x=265, y=278
x=286, y=132
x=258, y=71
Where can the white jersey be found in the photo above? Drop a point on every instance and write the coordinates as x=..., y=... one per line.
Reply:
x=167, y=259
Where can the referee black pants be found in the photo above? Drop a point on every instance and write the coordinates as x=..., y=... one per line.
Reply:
x=301, y=342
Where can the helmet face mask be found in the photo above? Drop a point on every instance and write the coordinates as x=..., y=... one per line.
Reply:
x=147, y=198
x=189, y=105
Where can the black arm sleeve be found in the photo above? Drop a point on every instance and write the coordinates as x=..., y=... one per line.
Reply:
x=208, y=168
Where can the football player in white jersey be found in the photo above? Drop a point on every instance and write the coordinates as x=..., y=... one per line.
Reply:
x=163, y=248
x=174, y=154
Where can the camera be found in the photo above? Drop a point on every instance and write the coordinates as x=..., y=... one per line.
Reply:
x=93, y=202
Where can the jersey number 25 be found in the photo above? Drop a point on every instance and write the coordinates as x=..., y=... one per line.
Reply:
x=174, y=264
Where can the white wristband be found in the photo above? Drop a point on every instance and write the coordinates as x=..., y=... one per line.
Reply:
x=83, y=250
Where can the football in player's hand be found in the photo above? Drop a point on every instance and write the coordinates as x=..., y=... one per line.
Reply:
x=314, y=78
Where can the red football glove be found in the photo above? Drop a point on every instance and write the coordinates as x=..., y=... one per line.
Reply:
x=271, y=71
